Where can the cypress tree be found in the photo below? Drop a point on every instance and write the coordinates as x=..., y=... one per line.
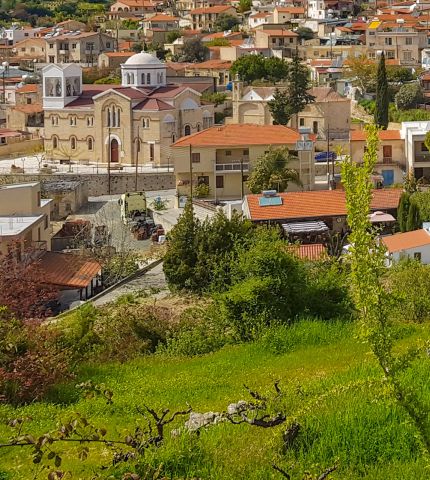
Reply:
x=382, y=100
x=403, y=210
x=414, y=219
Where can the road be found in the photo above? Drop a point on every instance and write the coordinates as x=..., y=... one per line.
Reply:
x=154, y=279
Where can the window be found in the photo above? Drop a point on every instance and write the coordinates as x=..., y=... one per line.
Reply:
x=90, y=143
x=388, y=41
x=107, y=44
x=390, y=54
x=246, y=152
x=151, y=152
x=90, y=121
x=407, y=56
x=68, y=207
x=148, y=78
x=51, y=59
x=73, y=46
x=417, y=256
x=73, y=143
x=302, y=122
x=198, y=127
x=187, y=130
x=219, y=181
x=51, y=45
x=54, y=142
x=195, y=157
x=143, y=79
x=54, y=120
x=73, y=121
x=423, y=147
x=228, y=153
x=28, y=101
x=315, y=127
x=408, y=41
x=145, y=123
x=173, y=138
x=46, y=218
x=203, y=180
x=39, y=199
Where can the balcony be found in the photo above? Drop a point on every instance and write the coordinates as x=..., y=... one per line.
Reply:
x=232, y=167
x=422, y=157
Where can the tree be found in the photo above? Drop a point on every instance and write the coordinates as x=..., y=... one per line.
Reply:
x=181, y=256
x=244, y=6
x=296, y=95
x=225, y=22
x=276, y=69
x=410, y=184
x=409, y=96
x=382, y=99
x=21, y=287
x=172, y=36
x=305, y=33
x=403, y=210
x=363, y=70
x=373, y=304
x=413, y=221
x=194, y=50
x=271, y=172
x=399, y=74
x=249, y=68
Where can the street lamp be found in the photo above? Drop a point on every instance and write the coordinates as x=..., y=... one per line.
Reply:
x=5, y=66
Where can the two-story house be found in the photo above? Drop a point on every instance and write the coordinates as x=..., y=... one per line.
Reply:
x=205, y=18
x=77, y=47
x=276, y=38
x=24, y=218
x=288, y=14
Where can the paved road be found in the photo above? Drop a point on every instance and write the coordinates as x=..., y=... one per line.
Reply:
x=153, y=279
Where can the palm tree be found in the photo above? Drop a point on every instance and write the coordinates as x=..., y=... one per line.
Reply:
x=272, y=171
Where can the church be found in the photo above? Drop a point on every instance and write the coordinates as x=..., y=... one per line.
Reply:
x=128, y=124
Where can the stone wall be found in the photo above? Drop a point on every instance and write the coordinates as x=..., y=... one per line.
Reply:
x=98, y=183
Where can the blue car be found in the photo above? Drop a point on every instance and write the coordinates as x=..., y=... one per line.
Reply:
x=322, y=156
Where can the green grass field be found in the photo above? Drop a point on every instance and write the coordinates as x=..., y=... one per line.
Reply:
x=332, y=387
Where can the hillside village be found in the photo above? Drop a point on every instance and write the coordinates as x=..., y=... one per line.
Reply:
x=214, y=239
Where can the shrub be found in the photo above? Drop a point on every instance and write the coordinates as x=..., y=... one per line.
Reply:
x=409, y=96
x=31, y=360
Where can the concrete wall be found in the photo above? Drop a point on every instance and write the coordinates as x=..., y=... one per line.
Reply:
x=22, y=147
x=98, y=183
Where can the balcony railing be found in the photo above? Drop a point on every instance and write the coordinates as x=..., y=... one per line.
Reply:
x=422, y=157
x=232, y=167
x=387, y=160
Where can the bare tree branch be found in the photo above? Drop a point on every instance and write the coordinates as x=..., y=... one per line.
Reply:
x=282, y=472
x=327, y=472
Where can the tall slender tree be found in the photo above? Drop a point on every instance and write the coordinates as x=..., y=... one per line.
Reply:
x=382, y=100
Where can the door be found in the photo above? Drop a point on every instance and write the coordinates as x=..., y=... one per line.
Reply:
x=387, y=153
x=114, y=151
x=388, y=176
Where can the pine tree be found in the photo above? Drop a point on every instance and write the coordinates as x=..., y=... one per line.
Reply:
x=403, y=210
x=414, y=219
x=296, y=96
x=382, y=100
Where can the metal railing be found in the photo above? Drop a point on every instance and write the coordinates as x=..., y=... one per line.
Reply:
x=232, y=167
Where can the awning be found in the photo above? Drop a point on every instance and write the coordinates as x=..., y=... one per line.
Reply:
x=305, y=227
x=378, y=217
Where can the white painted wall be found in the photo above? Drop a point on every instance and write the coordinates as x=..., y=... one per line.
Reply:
x=424, y=250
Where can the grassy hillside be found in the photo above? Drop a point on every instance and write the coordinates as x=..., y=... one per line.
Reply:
x=331, y=386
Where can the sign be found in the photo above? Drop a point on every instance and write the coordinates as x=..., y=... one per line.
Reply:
x=182, y=201
x=304, y=145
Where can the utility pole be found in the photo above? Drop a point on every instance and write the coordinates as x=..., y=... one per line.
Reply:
x=241, y=178
x=328, y=156
x=137, y=159
x=109, y=159
x=191, y=173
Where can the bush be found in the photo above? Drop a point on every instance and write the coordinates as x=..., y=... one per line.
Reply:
x=31, y=360
x=409, y=96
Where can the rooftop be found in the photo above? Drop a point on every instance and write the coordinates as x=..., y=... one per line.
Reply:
x=214, y=9
x=240, y=135
x=16, y=225
x=316, y=204
x=361, y=135
x=404, y=241
x=66, y=270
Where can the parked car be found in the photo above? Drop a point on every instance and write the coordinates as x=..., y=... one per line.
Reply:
x=322, y=156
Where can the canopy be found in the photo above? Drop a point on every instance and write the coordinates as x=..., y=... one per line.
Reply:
x=378, y=217
x=305, y=227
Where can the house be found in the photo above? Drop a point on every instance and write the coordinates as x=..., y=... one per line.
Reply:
x=17, y=142
x=135, y=122
x=416, y=152
x=159, y=22
x=30, y=49
x=391, y=162
x=27, y=113
x=326, y=9
x=414, y=245
x=315, y=49
x=328, y=116
x=259, y=18
x=277, y=39
x=24, y=218
x=15, y=34
x=77, y=47
x=217, y=69
x=326, y=206
x=124, y=8
x=221, y=157
x=68, y=196
x=291, y=14
x=113, y=60
x=205, y=18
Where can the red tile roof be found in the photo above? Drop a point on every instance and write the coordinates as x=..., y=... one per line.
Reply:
x=153, y=104
x=28, y=88
x=161, y=18
x=220, y=64
x=291, y=9
x=214, y=9
x=317, y=204
x=361, y=135
x=241, y=134
x=316, y=251
x=66, y=270
x=404, y=241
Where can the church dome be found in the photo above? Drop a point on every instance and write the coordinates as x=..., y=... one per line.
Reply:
x=143, y=58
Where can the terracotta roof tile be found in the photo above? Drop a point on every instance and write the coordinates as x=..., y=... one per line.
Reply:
x=221, y=64
x=162, y=18
x=316, y=251
x=361, y=135
x=317, y=204
x=119, y=54
x=66, y=270
x=291, y=9
x=404, y=241
x=241, y=134
x=153, y=104
x=28, y=88
x=214, y=9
